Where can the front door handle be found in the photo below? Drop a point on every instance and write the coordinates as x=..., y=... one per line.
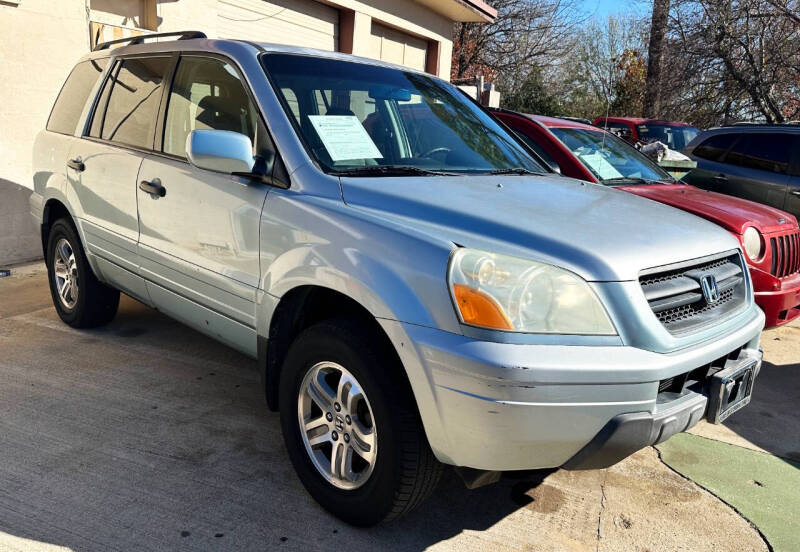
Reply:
x=76, y=164
x=154, y=187
x=720, y=178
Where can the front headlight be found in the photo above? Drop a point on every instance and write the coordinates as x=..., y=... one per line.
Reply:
x=518, y=295
x=753, y=243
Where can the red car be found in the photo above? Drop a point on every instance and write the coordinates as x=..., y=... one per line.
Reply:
x=769, y=237
x=633, y=129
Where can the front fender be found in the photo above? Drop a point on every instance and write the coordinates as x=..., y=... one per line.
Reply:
x=394, y=274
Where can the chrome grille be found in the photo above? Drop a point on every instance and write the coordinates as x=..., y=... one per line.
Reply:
x=676, y=296
x=785, y=255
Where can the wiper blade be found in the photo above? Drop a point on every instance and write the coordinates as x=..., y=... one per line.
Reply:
x=391, y=170
x=628, y=179
x=515, y=170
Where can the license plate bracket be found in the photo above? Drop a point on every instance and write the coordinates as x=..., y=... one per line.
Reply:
x=730, y=390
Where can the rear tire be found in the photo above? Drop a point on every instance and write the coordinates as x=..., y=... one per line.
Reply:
x=80, y=299
x=404, y=470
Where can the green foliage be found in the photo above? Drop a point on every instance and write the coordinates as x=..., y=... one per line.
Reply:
x=531, y=96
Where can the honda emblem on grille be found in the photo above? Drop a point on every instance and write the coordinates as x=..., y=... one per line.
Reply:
x=708, y=284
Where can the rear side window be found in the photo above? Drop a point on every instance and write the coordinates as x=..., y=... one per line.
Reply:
x=133, y=102
x=715, y=147
x=762, y=151
x=74, y=95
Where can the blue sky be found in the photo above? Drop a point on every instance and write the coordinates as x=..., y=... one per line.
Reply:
x=604, y=8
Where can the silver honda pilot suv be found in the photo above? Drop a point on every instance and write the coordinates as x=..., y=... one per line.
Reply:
x=417, y=288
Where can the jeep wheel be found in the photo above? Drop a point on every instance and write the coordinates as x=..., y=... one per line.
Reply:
x=351, y=426
x=80, y=299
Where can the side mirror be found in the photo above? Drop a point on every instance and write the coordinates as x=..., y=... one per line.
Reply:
x=220, y=150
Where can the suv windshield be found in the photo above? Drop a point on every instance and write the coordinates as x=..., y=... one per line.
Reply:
x=676, y=137
x=361, y=119
x=609, y=158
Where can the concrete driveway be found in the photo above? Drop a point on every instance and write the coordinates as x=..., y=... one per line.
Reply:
x=146, y=435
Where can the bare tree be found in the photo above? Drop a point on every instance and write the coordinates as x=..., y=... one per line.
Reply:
x=734, y=60
x=588, y=78
x=525, y=33
x=658, y=30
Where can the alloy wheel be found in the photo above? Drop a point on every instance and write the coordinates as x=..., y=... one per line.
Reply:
x=65, y=274
x=337, y=425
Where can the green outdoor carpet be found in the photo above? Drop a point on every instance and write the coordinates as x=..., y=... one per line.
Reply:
x=763, y=488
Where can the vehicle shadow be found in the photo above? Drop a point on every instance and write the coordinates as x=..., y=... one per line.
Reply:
x=147, y=435
x=772, y=419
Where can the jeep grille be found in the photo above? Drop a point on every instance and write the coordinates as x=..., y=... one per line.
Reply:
x=785, y=255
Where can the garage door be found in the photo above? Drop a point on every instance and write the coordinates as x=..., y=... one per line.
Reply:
x=391, y=45
x=296, y=22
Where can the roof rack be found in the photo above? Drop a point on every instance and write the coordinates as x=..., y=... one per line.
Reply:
x=761, y=124
x=182, y=35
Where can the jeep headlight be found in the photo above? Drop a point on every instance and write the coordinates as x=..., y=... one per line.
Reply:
x=752, y=242
x=519, y=295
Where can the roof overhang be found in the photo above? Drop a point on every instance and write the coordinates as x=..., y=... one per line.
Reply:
x=462, y=10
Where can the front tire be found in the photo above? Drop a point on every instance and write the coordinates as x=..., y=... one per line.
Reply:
x=351, y=426
x=80, y=299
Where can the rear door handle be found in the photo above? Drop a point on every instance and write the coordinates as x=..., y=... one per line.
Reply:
x=721, y=178
x=796, y=193
x=153, y=187
x=76, y=164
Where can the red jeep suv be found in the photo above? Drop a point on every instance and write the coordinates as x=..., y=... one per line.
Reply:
x=589, y=153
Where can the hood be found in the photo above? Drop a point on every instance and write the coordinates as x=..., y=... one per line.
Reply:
x=733, y=213
x=600, y=233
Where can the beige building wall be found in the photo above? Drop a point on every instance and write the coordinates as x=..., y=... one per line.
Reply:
x=40, y=40
x=406, y=16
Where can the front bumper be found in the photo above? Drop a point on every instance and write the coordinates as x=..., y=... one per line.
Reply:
x=502, y=406
x=624, y=434
x=780, y=307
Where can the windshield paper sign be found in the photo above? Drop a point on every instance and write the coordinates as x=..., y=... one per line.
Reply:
x=344, y=137
x=600, y=166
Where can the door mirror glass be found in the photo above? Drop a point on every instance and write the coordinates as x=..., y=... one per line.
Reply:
x=220, y=150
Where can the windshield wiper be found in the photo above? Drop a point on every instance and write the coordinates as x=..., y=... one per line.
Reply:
x=628, y=179
x=391, y=170
x=515, y=170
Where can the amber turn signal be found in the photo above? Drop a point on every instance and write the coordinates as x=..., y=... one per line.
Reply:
x=479, y=309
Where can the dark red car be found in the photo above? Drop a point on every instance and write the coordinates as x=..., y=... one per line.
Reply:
x=766, y=234
x=633, y=129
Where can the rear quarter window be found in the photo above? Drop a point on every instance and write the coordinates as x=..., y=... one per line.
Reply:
x=74, y=95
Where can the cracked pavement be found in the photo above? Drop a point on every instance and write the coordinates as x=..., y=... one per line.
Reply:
x=146, y=435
